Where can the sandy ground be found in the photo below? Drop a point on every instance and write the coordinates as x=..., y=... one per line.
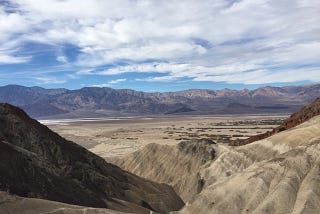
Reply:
x=111, y=138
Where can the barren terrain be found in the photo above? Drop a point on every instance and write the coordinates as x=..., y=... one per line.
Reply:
x=110, y=138
x=277, y=174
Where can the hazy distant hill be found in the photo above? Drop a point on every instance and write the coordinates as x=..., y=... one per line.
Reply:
x=97, y=102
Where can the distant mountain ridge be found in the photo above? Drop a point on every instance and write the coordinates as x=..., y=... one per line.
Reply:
x=104, y=102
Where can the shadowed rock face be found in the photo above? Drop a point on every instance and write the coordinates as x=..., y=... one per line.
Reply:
x=295, y=119
x=36, y=162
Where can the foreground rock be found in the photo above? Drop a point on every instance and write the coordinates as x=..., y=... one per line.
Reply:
x=36, y=162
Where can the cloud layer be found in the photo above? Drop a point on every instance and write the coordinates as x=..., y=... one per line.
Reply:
x=232, y=41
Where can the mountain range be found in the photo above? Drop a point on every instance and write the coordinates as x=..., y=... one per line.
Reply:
x=107, y=102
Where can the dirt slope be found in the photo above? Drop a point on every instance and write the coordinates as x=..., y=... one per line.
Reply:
x=36, y=162
x=177, y=166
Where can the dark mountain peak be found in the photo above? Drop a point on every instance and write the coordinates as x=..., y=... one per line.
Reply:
x=23, y=96
x=33, y=88
x=12, y=112
x=295, y=119
x=15, y=86
x=36, y=162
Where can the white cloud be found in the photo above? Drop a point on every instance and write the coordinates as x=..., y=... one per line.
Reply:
x=7, y=59
x=174, y=70
x=110, y=83
x=233, y=73
x=116, y=81
x=100, y=85
x=49, y=80
x=247, y=41
x=265, y=77
x=62, y=59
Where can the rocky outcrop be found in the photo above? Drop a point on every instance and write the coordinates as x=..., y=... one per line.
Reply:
x=36, y=162
x=295, y=119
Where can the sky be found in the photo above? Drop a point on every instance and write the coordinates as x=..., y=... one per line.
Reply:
x=159, y=45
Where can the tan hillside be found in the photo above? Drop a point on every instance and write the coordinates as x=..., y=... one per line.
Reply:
x=177, y=166
x=279, y=174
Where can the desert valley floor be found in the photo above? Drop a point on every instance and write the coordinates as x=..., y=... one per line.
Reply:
x=115, y=138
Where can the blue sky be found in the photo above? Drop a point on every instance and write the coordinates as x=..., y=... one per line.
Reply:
x=159, y=45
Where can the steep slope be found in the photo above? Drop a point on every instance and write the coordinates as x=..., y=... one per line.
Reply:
x=36, y=162
x=277, y=175
x=99, y=102
x=295, y=119
x=175, y=165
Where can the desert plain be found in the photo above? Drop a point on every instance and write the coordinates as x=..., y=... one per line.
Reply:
x=113, y=138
